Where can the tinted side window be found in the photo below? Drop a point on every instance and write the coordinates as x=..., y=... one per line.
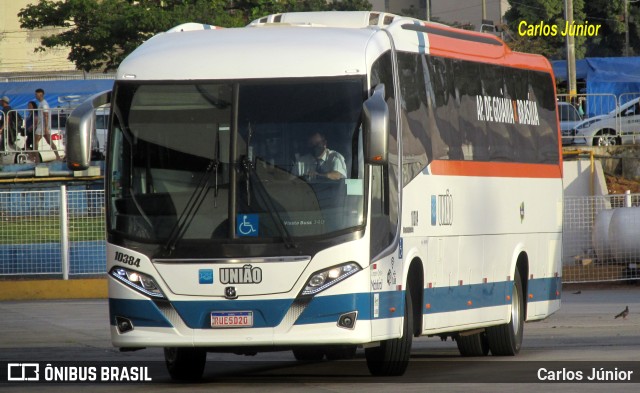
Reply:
x=384, y=186
x=546, y=131
x=485, y=112
x=416, y=121
x=475, y=142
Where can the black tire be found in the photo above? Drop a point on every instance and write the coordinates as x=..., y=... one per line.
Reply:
x=506, y=340
x=20, y=158
x=341, y=353
x=473, y=345
x=391, y=358
x=185, y=364
x=308, y=354
x=606, y=138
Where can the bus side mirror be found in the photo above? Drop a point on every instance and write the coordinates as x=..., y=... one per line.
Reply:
x=376, y=127
x=79, y=131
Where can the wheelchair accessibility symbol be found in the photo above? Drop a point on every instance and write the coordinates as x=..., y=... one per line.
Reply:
x=247, y=225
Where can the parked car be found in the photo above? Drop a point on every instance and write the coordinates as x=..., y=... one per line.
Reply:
x=620, y=126
x=569, y=119
x=58, y=124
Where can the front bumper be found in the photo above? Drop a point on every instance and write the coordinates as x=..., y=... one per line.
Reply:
x=277, y=322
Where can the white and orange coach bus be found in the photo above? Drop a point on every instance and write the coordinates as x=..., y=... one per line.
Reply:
x=438, y=212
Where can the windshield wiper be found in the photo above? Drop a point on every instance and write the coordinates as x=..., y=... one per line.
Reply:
x=192, y=206
x=249, y=170
x=197, y=198
x=130, y=138
x=273, y=212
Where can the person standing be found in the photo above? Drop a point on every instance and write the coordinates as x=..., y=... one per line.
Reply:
x=42, y=123
x=5, y=123
x=31, y=109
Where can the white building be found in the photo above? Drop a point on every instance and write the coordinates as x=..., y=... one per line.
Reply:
x=17, y=45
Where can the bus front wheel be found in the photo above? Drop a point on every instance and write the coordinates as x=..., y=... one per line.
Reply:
x=391, y=358
x=185, y=364
x=506, y=340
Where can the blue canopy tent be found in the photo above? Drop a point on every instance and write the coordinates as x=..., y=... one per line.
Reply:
x=66, y=94
x=604, y=75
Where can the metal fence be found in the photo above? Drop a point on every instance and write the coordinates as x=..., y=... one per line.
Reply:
x=599, y=119
x=601, y=238
x=62, y=76
x=20, y=140
x=40, y=235
x=26, y=142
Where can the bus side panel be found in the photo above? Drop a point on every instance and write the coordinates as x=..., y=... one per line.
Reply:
x=470, y=259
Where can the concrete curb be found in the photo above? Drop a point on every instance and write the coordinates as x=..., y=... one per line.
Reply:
x=91, y=288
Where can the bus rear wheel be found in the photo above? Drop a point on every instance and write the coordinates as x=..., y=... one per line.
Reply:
x=185, y=364
x=506, y=340
x=391, y=358
x=473, y=344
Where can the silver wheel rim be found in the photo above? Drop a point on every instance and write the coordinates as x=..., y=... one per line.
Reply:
x=607, y=140
x=515, y=311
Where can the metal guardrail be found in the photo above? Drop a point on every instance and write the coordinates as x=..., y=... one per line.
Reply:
x=41, y=235
x=53, y=232
x=599, y=119
x=22, y=138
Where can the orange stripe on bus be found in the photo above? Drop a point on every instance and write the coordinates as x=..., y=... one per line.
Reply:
x=474, y=51
x=495, y=169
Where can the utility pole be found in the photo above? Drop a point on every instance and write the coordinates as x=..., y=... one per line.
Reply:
x=428, y=10
x=484, y=9
x=571, y=50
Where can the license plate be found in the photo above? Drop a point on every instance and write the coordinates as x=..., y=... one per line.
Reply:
x=224, y=319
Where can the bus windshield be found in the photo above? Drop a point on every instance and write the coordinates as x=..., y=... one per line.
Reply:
x=248, y=161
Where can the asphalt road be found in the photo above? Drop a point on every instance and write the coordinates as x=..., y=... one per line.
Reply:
x=76, y=331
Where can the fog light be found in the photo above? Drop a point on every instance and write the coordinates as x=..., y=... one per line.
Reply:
x=348, y=320
x=123, y=325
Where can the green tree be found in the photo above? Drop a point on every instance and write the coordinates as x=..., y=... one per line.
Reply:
x=101, y=33
x=611, y=38
x=549, y=12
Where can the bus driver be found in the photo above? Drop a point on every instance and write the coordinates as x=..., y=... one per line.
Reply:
x=320, y=161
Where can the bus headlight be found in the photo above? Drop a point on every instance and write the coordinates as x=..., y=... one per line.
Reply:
x=319, y=281
x=139, y=281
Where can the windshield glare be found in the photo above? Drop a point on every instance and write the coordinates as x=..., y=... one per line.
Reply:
x=293, y=162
